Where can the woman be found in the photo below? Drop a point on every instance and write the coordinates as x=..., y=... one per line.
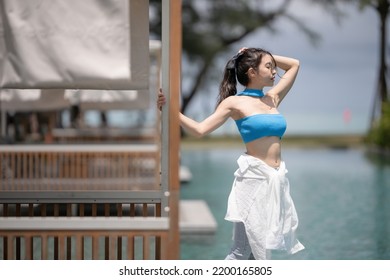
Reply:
x=259, y=205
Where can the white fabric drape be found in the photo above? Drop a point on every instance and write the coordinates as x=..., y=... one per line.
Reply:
x=88, y=44
x=19, y=100
x=260, y=198
x=109, y=99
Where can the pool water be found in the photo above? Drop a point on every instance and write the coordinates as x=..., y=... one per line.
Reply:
x=342, y=197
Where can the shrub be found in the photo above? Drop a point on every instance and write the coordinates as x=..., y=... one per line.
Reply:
x=380, y=132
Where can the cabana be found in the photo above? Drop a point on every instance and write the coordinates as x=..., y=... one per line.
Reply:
x=56, y=201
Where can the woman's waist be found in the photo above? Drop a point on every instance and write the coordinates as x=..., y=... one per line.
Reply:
x=267, y=149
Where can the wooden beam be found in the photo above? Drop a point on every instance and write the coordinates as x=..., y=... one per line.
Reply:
x=174, y=128
x=171, y=67
x=83, y=223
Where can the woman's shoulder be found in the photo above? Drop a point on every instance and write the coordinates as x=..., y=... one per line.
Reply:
x=228, y=100
x=231, y=101
x=234, y=104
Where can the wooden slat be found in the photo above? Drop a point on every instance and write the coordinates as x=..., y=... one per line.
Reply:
x=79, y=247
x=94, y=209
x=119, y=247
x=13, y=166
x=107, y=248
x=10, y=247
x=130, y=247
x=61, y=247
x=84, y=223
x=95, y=247
x=44, y=247
x=17, y=239
x=30, y=210
x=145, y=247
x=113, y=246
x=145, y=209
x=56, y=209
x=36, y=164
x=106, y=209
x=132, y=209
x=57, y=248
x=5, y=209
x=28, y=247
x=5, y=248
x=30, y=164
x=43, y=210
x=18, y=167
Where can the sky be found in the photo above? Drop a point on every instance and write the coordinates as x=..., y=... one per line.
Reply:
x=334, y=91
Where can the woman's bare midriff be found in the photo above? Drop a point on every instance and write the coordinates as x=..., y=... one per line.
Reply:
x=268, y=149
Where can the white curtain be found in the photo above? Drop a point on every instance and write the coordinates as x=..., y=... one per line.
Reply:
x=105, y=100
x=25, y=100
x=74, y=44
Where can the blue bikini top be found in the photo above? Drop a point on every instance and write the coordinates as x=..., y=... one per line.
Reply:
x=260, y=125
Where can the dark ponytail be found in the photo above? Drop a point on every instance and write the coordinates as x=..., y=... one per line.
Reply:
x=228, y=85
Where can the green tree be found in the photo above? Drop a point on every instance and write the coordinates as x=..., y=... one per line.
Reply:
x=379, y=133
x=211, y=27
x=382, y=8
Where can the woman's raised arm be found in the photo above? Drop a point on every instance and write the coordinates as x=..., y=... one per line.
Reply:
x=291, y=67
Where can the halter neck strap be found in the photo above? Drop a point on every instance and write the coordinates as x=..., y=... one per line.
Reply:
x=252, y=92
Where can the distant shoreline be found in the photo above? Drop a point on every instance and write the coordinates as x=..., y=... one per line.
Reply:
x=325, y=141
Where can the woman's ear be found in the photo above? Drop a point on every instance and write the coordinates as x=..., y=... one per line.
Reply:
x=251, y=72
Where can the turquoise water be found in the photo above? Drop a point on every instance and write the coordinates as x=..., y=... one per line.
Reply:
x=342, y=198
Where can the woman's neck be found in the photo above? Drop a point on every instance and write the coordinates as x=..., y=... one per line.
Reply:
x=251, y=92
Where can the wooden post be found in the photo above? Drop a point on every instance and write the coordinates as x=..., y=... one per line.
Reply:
x=171, y=84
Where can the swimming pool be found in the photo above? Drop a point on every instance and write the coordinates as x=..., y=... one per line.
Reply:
x=342, y=197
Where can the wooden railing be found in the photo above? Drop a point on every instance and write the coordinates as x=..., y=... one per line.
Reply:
x=78, y=167
x=107, y=135
x=83, y=238
x=82, y=202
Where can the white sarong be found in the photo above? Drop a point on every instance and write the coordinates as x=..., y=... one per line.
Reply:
x=260, y=198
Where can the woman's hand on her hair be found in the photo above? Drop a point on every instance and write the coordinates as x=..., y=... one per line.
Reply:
x=242, y=49
x=161, y=100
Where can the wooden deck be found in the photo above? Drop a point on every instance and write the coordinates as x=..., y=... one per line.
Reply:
x=196, y=218
x=54, y=199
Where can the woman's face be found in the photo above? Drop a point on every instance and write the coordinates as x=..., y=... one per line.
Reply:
x=265, y=74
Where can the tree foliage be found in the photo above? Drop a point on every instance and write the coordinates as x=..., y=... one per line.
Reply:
x=379, y=135
x=211, y=27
